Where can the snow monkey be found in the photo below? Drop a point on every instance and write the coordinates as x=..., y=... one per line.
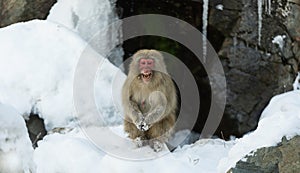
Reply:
x=149, y=100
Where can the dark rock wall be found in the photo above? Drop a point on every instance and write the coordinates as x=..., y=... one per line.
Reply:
x=13, y=11
x=255, y=72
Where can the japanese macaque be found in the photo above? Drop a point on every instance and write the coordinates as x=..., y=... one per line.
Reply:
x=149, y=100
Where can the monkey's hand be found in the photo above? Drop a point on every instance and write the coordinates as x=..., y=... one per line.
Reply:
x=142, y=125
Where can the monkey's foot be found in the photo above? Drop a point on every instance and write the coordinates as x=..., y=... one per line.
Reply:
x=157, y=146
x=138, y=142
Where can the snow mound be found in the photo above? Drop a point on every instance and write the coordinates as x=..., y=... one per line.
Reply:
x=280, y=118
x=202, y=156
x=73, y=152
x=16, y=152
x=92, y=20
x=70, y=153
x=38, y=61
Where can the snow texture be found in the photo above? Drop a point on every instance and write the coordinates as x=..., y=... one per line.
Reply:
x=69, y=153
x=80, y=156
x=37, y=65
x=94, y=21
x=16, y=152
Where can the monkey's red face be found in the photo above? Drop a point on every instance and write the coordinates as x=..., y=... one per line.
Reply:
x=146, y=66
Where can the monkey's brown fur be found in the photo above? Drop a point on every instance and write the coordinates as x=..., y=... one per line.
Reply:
x=153, y=103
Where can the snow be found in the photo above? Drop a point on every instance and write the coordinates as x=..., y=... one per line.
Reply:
x=37, y=65
x=279, y=40
x=93, y=21
x=16, y=152
x=219, y=7
x=296, y=84
x=70, y=153
x=280, y=118
x=79, y=155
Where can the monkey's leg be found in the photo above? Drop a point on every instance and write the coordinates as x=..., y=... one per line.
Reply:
x=161, y=129
x=138, y=136
x=159, y=133
x=132, y=130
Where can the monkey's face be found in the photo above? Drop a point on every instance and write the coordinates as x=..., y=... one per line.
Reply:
x=146, y=66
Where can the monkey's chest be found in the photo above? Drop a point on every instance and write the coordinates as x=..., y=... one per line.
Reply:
x=143, y=102
x=144, y=106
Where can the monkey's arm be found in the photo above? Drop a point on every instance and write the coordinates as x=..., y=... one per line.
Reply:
x=131, y=108
x=158, y=110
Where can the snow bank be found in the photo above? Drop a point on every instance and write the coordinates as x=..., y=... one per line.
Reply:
x=280, y=118
x=202, y=156
x=37, y=64
x=92, y=20
x=70, y=153
x=16, y=152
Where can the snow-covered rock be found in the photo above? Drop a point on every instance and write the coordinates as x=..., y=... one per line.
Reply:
x=94, y=21
x=16, y=152
x=280, y=118
x=37, y=63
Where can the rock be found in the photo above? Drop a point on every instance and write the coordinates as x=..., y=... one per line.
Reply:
x=255, y=71
x=284, y=158
x=36, y=129
x=13, y=11
x=224, y=20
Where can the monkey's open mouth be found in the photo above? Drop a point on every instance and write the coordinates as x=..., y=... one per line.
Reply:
x=146, y=75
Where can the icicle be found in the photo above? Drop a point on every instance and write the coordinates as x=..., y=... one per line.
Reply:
x=259, y=9
x=265, y=4
x=269, y=6
x=204, y=27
